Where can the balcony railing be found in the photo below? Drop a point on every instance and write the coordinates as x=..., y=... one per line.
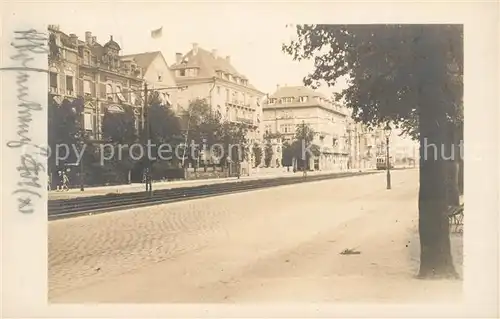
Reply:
x=53, y=90
x=244, y=120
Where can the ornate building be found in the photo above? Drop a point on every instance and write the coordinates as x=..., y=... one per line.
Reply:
x=291, y=106
x=98, y=74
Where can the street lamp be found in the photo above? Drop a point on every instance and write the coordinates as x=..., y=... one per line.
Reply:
x=387, y=132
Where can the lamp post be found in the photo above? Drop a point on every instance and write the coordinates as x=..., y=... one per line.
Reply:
x=387, y=132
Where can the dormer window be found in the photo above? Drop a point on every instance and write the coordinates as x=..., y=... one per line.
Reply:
x=272, y=101
x=287, y=100
x=303, y=99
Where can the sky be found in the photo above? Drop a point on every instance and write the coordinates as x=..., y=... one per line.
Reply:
x=252, y=34
x=252, y=37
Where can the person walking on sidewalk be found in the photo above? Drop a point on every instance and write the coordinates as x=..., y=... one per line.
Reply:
x=148, y=179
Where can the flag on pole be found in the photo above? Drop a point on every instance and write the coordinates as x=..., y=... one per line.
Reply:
x=155, y=34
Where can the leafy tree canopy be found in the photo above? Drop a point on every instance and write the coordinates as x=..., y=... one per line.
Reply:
x=384, y=66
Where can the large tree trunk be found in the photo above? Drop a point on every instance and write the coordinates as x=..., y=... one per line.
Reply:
x=452, y=162
x=435, y=252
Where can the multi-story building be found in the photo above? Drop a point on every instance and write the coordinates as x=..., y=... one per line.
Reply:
x=291, y=106
x=107, y=81
x=104, y=78
x=157, y=74
x=230, y=94
x=63, y=65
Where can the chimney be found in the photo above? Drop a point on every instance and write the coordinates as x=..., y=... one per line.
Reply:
x=110, y=38
x=74, y=39
x=228, y=59
x=214, y=53
x=277, y=86
x=178, y=58
x=88, y=37
x=195, y=48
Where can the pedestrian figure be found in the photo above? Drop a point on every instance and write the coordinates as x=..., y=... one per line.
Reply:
x=149, y=186
x=59, y=181
x=65, y=181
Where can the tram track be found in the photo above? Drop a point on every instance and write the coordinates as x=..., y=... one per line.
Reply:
x=73, y=207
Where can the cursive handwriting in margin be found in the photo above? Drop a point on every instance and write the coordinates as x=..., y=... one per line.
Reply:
x=28, y=44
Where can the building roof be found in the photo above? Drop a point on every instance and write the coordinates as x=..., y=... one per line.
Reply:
x=143, y=60
x=208, y=64
x=314, y=99
x=112, y=43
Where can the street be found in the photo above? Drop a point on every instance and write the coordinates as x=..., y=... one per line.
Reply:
x=277, y=244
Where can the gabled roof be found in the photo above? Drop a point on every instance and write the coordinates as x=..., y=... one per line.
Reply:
x=143, y=60
x=298, y=91
x=207, y=63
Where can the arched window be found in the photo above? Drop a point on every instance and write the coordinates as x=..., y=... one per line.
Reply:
x=53, y=79
x=109, y=92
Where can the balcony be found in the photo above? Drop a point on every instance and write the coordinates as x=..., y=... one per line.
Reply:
x=53, y=90
x=244, y=120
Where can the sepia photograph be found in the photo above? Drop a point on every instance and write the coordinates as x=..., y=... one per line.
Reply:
x=204, y=153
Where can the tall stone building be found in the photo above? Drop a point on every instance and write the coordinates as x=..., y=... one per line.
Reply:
x=63, y=65
x=96, y=72
x=291, y=106
x=230, y=94
x=107, y=81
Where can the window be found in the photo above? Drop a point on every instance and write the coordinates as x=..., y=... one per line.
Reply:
x=119, y=94
x=53, y=80
x=109, y=92
x=303, y=99
x=86, y=87
x=159, y=76
x=287, y=100
x=182, y=72
x=88, y=122
x=218, y=90
x=272, y=101
x=229, y=77
x=69, y=85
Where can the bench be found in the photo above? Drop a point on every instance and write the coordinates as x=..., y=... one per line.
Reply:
x=456, y=218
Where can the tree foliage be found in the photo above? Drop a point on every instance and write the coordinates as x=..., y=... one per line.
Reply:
x=383, y=65
x=410, y=75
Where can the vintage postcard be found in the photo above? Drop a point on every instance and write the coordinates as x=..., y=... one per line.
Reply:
x=256, y=159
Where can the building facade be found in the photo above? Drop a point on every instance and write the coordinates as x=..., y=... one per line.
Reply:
x=105, y=79
x=157, y=75
x=291, y=106
x=206, y=75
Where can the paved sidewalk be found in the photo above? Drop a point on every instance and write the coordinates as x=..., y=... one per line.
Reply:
x=137, y=187
x=284, y=247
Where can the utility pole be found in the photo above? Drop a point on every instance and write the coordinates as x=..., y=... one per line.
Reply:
x=304, y=135
x=147, y=135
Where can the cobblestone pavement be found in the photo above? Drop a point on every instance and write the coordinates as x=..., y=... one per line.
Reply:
x=190, y=241
x=137, y=187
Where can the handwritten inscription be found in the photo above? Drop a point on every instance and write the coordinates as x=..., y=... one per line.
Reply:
x=28, y=44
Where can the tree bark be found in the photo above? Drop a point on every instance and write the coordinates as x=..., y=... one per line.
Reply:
x=452, y=163
x=435, y=248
